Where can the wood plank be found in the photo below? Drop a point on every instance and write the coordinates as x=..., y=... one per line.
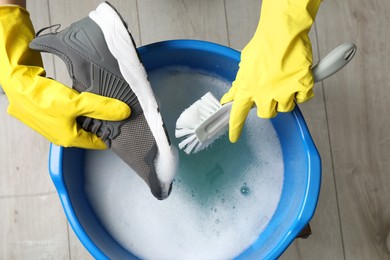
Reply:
x=39, y=14
x=357, y=107
x=24, y=153
x=77, y=250
x=33, y=228
x=24, y=157
x=182, y=19
x=242, y=20
x=326, y=238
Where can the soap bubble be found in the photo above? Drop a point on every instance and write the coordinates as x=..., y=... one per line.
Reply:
x=245, y=190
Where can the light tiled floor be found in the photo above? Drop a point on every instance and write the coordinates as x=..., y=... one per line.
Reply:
x=348, y=120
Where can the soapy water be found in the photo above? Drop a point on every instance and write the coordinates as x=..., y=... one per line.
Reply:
x=222, y=197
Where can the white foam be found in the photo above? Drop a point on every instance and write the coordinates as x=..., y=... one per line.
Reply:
x=207, y=216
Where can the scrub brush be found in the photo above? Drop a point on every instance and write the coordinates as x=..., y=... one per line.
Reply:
x=206, y=120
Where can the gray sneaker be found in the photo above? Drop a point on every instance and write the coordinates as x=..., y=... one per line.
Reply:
x=101, y=58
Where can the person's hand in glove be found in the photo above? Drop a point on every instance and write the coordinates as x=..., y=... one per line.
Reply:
x=275, y=66
x=44, y=104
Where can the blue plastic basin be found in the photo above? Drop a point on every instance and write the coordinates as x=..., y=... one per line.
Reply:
x=302, y=163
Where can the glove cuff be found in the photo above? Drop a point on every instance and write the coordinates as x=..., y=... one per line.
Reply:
x=16, y=32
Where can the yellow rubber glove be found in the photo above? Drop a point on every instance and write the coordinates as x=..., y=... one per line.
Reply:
x=46, y=105
x=275, y=66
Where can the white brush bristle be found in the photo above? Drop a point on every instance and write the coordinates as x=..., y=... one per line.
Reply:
x=191, y=118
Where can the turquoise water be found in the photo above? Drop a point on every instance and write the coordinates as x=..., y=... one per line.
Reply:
x=222, y=197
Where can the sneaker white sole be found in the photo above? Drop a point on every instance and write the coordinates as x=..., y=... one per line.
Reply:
x=122, y=48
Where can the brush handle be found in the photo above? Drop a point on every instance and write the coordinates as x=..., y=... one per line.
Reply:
x=217, y=122
x=334, y=61
x=325, y=68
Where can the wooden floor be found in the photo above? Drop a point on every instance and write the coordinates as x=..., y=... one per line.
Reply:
x=348, y=120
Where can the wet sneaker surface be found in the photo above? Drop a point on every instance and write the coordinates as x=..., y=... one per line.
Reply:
x=101, y=58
